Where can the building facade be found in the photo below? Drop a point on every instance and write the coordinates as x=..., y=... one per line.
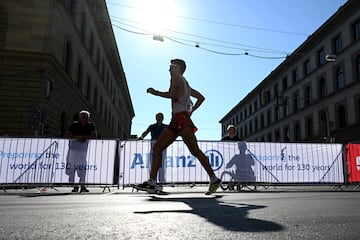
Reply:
x=314, y=94
x=58, y=57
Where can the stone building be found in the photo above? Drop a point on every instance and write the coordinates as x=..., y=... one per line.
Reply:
x=58, y=57
x=313, y=95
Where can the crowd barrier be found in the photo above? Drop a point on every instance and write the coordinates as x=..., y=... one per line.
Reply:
x=248, y=162
x=353, y=161
x=36, y=161
x=47, y=161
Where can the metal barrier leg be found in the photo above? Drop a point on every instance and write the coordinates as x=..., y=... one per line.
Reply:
x=106, y=187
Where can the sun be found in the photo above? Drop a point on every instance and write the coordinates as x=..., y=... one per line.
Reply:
x=155, y=16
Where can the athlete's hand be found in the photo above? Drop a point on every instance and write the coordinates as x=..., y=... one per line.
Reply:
x=151, y=90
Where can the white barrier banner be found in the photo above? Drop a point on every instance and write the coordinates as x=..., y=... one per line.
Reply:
x=44, y=160
x=236, y=161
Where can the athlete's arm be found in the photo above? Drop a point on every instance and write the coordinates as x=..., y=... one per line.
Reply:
x=199, y=99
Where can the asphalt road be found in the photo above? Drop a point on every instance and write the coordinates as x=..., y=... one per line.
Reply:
x=185, y=213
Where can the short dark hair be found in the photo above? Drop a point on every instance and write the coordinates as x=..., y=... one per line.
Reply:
x=179, y=62
x=160, y=114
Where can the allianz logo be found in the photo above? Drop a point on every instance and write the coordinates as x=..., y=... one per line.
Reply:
x=144, y=160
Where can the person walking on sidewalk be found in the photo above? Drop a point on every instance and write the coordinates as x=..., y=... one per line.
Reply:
x=181, y=125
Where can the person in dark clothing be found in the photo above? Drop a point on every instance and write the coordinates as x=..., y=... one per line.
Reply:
x=231, y=134
x=155, y=131
x=79, y=132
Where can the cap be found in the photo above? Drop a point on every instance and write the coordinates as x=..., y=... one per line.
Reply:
x=230, y=126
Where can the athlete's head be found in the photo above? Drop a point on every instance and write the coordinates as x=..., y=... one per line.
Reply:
x=181, y=63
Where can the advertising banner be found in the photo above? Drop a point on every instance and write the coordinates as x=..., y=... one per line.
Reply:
x=236, y=161
x=45, y=160
x=353, y=161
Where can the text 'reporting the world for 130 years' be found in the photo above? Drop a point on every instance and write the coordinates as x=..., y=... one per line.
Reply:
x=42, y=161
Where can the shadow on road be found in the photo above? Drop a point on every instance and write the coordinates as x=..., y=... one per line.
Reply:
x=230, y=216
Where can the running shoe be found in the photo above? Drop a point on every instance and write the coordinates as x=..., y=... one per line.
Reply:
x=214, y=185
x=146, y=186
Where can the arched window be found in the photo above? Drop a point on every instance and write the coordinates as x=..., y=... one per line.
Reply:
x=68, y=58
x=341, y=116
x=340, y=81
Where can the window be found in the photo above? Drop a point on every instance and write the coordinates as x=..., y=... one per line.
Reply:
x=297, y=132
x=309, y=127
x=284, y=83
x=88, y=88
x=322, y=88
x=296, y=102
x=308, y=96
x=91, y=44
x=4, y=26
x=268, y=117
x=277, y=135
x=83, y=25
x=340, y=81
x=356, y=28
x=307, y=67
x=79, y=75
x=276, y=89
x=341, y=116
x=68, y=58
x=287, y=134
x=95, y=99
x=269, y=137
x=256, y=124
x=295, y=76
x=321, y=57
x=277, y=113
x=286, y=107
x=358, y=67
x=262, y=121
x=337, y=45
x=323, y=124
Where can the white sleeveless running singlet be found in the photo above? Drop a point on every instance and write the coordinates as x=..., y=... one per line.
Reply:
x=183, y=103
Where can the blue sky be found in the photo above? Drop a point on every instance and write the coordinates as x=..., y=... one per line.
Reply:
x=224, y=31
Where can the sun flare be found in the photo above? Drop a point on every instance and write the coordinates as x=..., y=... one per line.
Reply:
x=156, y=16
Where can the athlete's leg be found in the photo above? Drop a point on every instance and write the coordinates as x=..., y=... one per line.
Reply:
x=166, y=137
x=190, y=140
